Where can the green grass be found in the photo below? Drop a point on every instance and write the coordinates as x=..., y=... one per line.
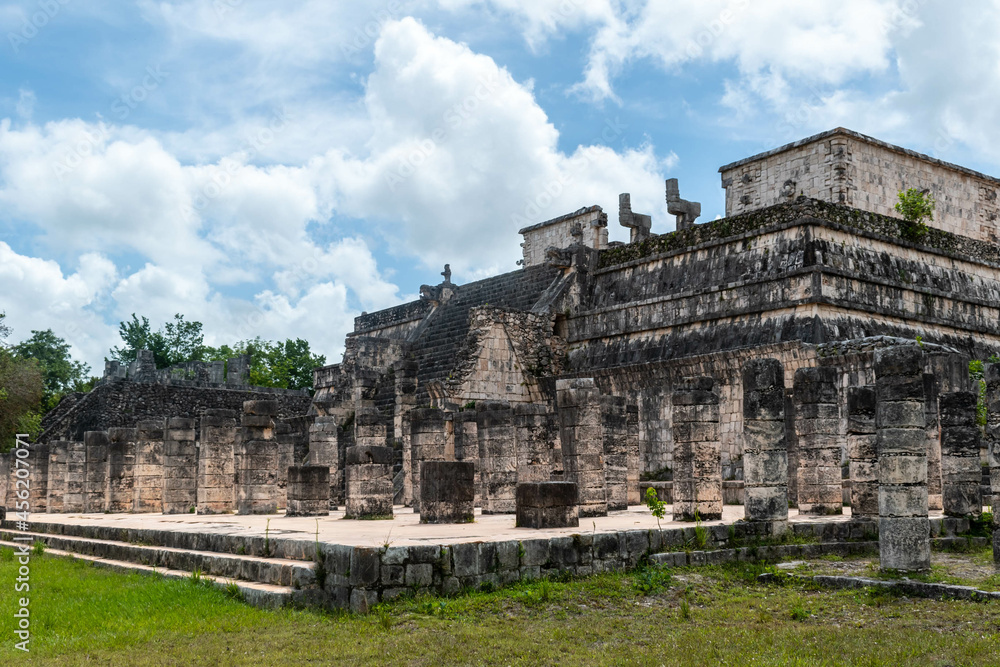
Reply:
x=718, y=615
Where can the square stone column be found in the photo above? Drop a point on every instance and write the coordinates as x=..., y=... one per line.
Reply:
x=217, y=462
x=614, y=425
x=324, y=441
x=697, y=451
x=428, y=442
x=38, y=460
x=57, y=476
x=536, y=441
x=308, y=491
x=465, y=431
x=817, y=425
x=495, y=428
x=765, y=453
x=862, y=450
x=96, y=484
x=904, y=530
x=581, y=435
x=446, y=492
x=257, y=459
x=149, y=466
x=180, y=466
x=992, y=379
x=368, y=475
x=405, y=375
x=961, y=470
x=121, y=468
x=76, y=477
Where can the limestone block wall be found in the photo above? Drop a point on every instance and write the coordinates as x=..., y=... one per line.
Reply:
x=121, y=468
x=820, y=447
x=848, y=168
x=38, y=461
x=579, y=406
x=149, y=466
x=558, y=232
x=180, y=466
x=616, y=443
x=499, y=456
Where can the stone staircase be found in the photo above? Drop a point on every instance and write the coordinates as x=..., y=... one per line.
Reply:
x=269, y=573
x=438, y=345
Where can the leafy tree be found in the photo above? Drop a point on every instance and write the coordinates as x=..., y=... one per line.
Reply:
x=60, y=372
x=287, y=365
x=175, y=342
x=916, y=207
x=21, y=390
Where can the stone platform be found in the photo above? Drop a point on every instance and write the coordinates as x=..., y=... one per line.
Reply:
x=364, y=562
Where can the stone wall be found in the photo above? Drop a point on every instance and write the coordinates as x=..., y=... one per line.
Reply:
x=592, y=223
x=845, y=167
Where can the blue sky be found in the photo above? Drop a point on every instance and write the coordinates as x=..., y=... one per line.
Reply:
x=274, y=169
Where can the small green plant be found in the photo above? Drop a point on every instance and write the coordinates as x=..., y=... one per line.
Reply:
x=233, y=590
x=192, y=510
x=383, y=618
x=799, y=611
x=196, y=577
x=267, y=539
x=650, y=580
x=700, y=532
x=38, y=548
x=916, y=207
x=657, y=507
x=920, y=341
x=685, y=605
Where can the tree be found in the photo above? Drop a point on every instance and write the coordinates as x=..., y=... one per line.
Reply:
x=916, y=207
x=60, y=372
x=287, y=365
x=21, y=391
x=174, y=343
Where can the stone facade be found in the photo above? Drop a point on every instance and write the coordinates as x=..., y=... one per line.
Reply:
x=765, y=451
x=308, y=491
x=698, y=472
x=848, y=168
x=588, y=227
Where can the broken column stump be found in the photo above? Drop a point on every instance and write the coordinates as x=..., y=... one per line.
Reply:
x=862, y=451
x=308, y=491
x=904, y=529
x=216, y=462
x=817, y=423
x=447, y=492
x=961, y=470
x=180, y=466
x=257, y=460
x=369, y=482
x=765, y=454
x=547, y=505
x=121, y=468
x=581, y=435
x=697, y=451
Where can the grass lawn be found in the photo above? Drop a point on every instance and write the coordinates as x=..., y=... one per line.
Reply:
x=704, y=616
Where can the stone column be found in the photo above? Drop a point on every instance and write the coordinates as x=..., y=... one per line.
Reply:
x=466, y=434
x=38, y=459
x=547, y=505
x=697, y=451
x=534, y=441
x=405, y=373
x=428, y=442
x=96, y=484
x=323, y=440
x=368, y=476
x=992, y=379
x=180, y=466
x=817, y=422
x=862, y=450
x=614, y=424
x=765, y=454
x=149, y=467
x=217, y=462
x=76, y=477
x=944, y=372
x=308, y=491
x=580, y=433
x=904, y=531
x=446, y=492
x=632, y=459
x=286, y=459
x=962, y=472
x=121, y=468
x=58, y=457
x=495, y=429
x=257, y=463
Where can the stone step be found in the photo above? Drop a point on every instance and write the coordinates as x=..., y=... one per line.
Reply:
x=256, y=594
x=257, y=569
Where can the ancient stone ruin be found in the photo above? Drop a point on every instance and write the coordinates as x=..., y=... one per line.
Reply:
x=797, y=353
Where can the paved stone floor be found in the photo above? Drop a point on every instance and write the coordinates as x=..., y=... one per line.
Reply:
x=404, y=530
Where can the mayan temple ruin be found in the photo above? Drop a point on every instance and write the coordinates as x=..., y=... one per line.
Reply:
x=805, y=355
